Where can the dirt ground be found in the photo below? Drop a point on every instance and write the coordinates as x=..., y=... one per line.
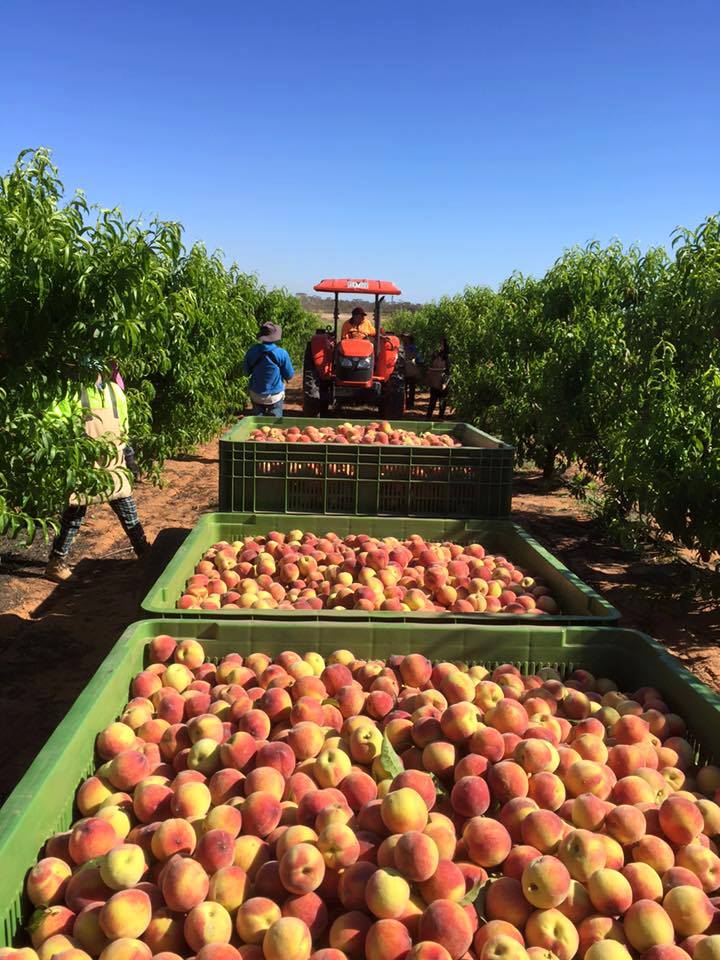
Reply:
x=52, y=638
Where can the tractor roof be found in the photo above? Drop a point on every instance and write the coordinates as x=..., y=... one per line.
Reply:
x=351, y=285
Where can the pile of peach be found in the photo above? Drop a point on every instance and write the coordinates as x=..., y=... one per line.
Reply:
x=301, y=571
x=370, y=434
x=340, y=809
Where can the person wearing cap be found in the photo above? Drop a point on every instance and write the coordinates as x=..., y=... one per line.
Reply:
x=269, y=367
x=104, y=409
x=357, y=326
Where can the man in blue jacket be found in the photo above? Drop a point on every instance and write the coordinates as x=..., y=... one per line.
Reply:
x=269, y=368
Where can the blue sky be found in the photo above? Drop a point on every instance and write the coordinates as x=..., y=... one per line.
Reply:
x=434, y=144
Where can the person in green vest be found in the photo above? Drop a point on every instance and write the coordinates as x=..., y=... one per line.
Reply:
x=104, y=408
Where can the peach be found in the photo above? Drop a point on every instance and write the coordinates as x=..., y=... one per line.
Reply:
x=123, y=866
x=545, y=882
x=543, y=829
x=447, y=883
x=644, y=881
x=576, y=906
x=607, y=950
x=215, y=850
x=416, y=856
x=488, y=743
x=165, y=932
x=427, y=950
x=678, y=877
x=206, y=923
x=708, y=948
x=331, y=767
x=583, y=853
x=513, y=813
x=240, y=748
x=459, y=721
x=172, y=837
x=626, y=824
x=547, y=790
x=496, y=928
x=91, y=795
x=597, y=929
x=255, y=917
x=184, y=884
x=126, y=914
x=655, y=852
x=553, y=931
x=646, y=925
x=114, y=739
x=224, y=817
x=91, y=838
x=338, y=845
x=311, y=909
x=127, y=949
x=445, y=922
x=52, y=922
x=85, y=887
x=297, y=833
x=387, y=939
x=287, y=939
x=518, y=858
x=302, y=869
x=127, y=769
x=442, y=831
x=470, y=797
x=503, y=947
x=704, y=863
x=689, y=909
x=387, y=893
x=610, y=892
x=349, y=932
x=229, y=887
x=403, y=810
x=261, y=813
x=152, y=801
x=359, y=788
x=488, y=842
x=681, y=820
x=190, y=800
x=507, y=780
x=47, y=881
x=439, y=758
x=504, y=900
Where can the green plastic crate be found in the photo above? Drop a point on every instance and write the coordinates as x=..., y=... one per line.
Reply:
x=578, y=602
x=474, y=480
x=42, y=803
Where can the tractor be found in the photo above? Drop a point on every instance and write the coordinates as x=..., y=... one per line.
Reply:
x=362, y=371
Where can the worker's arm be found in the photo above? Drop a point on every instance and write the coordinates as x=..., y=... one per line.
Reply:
x=286, y=367
x=246, y=364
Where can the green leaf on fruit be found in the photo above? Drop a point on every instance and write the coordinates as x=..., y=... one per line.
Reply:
x=476, y=896
x=36, y=918
x=391, y=762
x=440, y=790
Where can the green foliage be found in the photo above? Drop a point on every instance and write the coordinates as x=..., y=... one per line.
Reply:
x=610, y=361
x=80, y=287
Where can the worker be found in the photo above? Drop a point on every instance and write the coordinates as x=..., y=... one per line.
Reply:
x=413, y=371
x=438, y=379
x=269, y=368
x=357, y=327
x=104, y=407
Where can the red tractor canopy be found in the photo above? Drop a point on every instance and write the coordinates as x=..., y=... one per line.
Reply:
x=377, y=288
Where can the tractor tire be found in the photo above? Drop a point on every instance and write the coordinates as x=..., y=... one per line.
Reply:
x=315, y=393
x=392, y=401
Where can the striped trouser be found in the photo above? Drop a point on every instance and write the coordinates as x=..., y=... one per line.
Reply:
x=125, y=509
